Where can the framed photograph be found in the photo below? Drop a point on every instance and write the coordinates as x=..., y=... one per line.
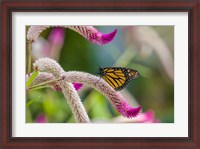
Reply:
x=95, y=74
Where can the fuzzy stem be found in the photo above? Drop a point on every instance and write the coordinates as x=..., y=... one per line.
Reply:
x=69, y=92
x=50, y=66
x=103, y=87
x=91, y=80
x=74, y=102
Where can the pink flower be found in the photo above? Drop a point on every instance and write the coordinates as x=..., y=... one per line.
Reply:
x=89, y=32
x=126, y=110
x=93, y=35
x=77, y=86
x=56, y=36
x=41, y=118
x=146, y=117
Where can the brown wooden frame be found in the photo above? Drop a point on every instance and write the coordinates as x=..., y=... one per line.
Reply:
x=9, y=6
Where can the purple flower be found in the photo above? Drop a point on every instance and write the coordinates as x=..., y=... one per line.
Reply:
x=41, y=118
x=93, y=35
x=56, y=36
x=89, y=32
x=77, y=86
x=126, y=110
x=146, y=117
x=106, y=38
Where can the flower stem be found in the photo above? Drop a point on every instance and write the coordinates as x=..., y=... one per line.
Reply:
x=37, y=88
x=29, y=56
x=44, y=83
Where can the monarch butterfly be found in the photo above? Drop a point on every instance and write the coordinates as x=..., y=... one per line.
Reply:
x=118, y=77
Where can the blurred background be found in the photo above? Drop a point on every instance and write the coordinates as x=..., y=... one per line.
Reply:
x=148, y=49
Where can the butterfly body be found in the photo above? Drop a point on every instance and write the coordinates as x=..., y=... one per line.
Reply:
x=118, y=77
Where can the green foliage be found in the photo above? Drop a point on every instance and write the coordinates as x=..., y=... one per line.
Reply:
x=32, y=78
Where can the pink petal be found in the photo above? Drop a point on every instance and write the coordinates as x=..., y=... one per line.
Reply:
x=106, y=38
x=57, y=36
x=93, y=35
x=126, y=110
x=150, y=116
x=41, y=119
x=77, y=86
x=147, y=117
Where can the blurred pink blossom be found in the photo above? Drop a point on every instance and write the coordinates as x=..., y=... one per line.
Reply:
x=41, y=118
x=50, y=47
x=56, y=36
x=145, y=117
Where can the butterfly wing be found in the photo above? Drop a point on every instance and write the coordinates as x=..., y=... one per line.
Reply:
x=118, y=77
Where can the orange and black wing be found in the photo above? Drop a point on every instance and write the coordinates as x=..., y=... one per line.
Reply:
x=118, y=77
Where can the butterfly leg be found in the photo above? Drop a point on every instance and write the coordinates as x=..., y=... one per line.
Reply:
x=97, y=82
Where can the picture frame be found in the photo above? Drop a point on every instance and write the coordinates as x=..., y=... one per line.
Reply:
x=8, y=7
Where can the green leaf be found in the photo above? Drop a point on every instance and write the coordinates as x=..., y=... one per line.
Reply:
x=32, y=78
x=30, y=102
